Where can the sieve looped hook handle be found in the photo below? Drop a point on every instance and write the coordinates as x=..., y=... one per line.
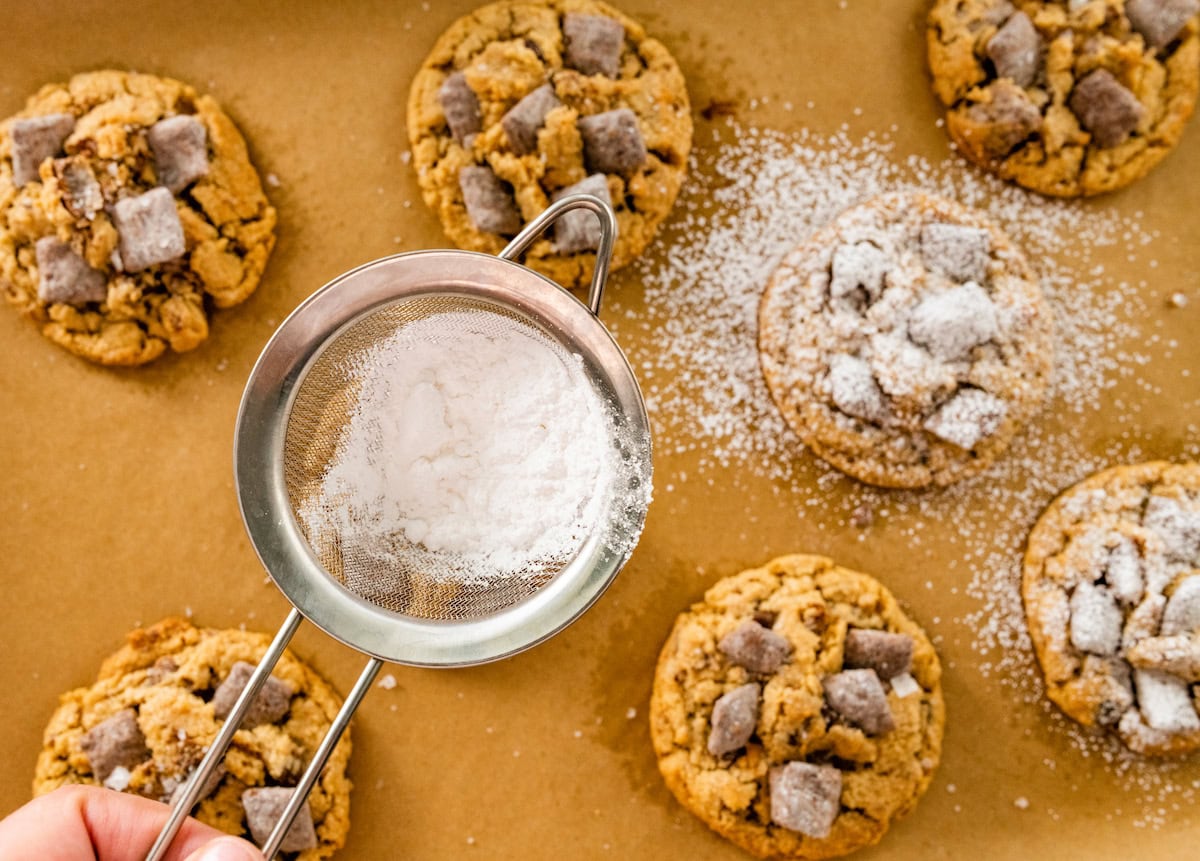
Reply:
x=608, y=238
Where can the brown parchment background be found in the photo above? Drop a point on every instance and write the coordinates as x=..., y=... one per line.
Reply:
x=117, y=504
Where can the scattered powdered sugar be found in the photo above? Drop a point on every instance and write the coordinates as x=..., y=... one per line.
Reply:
x=755, y=194
x=474, y=439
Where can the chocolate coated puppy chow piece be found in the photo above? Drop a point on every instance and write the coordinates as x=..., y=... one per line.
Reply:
x=593, y=44
x=612, y=141
x=489, y=202
x=180, y=146
x=36, y=139
x=271, y=704
x=64, y=276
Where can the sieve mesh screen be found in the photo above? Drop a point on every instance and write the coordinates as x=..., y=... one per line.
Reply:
x=381, y=565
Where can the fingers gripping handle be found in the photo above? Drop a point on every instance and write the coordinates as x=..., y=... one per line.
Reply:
x=608, y=237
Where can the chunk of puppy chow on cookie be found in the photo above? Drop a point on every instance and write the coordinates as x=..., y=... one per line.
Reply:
x=968, y=417
x=1096, y=620
x=857, y=272
x=579, y=229
x=81, y=193
x=957, y=251
x=180, y=146
x=490, y=204
x=271, y=704
x=36, y=139
x=1002, y=122
x=264, y=806
x=593, y=44
x=612, y=141
x=1160, y=21
x=859, y=697
x=758, y=649
x=461, y=107
x=1015, y=50
x=149, y=228
x=1106, y=108
x=1165, y=701
x=854, y=390
x=64, y=276
x=116, y=742
x=1144, y=620
x=887, y=654
x=734, y=717
x=1182, y=613
x=1110, y=681
x=523, y=119
x=1177, y=526
x=952, y=323
x=1123, y=572
x=805, y=798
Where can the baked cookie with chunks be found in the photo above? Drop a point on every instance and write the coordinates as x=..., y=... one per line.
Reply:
x=1111, y=585
x=1068, y=98
x=129, y=210
x=797, y=711
x=525, y=101
x=906, y=342
x=159, y=702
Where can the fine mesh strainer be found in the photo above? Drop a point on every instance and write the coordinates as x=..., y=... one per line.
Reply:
x=397, y=603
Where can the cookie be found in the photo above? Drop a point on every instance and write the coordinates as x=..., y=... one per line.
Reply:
x=128, y=211
x=1111, y=585
x=520, y=103
x=1066, y=98
x=158, y=704
x=907, y=341
x=797, y=711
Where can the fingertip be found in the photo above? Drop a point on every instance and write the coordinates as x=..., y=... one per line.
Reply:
x=226, y=849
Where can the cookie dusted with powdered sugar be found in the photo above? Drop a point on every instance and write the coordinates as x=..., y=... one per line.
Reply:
x=1112, y=596
x=907, y=341
x=525, y=101
x=1066, y=98
x=158, y=704
x=797, y=711
x=129, y=210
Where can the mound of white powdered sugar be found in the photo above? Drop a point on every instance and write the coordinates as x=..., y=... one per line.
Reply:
x=474, y=438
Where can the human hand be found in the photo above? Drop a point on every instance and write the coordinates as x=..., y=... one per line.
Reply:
x=87, y=822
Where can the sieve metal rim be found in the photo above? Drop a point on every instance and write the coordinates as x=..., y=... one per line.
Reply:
x=262, y=426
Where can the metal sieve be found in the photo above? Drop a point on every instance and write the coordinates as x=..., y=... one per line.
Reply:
x=394, y=603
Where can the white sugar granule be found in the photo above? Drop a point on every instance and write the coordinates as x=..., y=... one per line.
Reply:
x=755, y=194
x=474, y=439
x=118, y=779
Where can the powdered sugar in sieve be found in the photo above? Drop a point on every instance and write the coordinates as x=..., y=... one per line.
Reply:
x=474, y=451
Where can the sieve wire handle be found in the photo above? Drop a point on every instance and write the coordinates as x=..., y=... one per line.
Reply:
x=309, y=779
x=191, y=789
x=608, y=237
